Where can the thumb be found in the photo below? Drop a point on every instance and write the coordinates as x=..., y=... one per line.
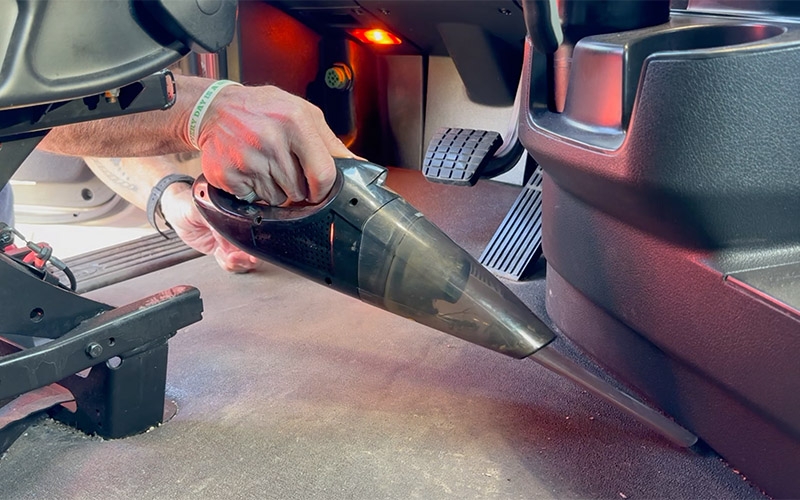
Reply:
x=334, y=145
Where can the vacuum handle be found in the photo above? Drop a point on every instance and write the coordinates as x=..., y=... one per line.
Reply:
x=256, y=212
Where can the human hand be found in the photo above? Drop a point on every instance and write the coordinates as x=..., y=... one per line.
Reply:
x=179, y=210
x=267, y=141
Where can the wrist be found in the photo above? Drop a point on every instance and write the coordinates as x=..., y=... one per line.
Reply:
x=199, y=114
x=174, y=196
x=169, y=191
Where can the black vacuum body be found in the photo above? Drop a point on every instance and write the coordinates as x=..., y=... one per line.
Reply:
x=367, y=242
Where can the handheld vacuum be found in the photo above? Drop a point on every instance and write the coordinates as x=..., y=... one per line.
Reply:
x=366, y=241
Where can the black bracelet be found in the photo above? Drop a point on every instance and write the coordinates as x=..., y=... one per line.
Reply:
x=154, y=202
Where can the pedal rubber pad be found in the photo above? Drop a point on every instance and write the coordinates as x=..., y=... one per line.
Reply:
x=459, y=155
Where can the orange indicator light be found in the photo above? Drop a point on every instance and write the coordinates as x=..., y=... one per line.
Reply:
x=376, y=37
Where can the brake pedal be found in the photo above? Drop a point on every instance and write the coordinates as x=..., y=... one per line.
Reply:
x=458, y=155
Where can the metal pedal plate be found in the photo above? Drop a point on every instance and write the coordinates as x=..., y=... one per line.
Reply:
x=517, y=243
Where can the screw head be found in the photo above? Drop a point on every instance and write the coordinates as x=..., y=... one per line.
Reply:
x=94, y=350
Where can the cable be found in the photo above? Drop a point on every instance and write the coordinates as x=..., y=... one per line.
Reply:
x=42, y=252
x=73, y=283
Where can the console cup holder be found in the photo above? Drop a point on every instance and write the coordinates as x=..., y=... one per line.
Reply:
x=696, y=37
x=703, y=36
x=611, y=65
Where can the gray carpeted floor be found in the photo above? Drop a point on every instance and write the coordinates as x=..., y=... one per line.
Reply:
x=289, y=391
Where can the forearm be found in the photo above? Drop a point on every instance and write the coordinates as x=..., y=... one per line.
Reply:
x=150, y=133
x=134, y=178
x=255, y=141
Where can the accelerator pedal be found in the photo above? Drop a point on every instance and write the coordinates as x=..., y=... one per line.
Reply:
x=458, y=156
x=517, y=243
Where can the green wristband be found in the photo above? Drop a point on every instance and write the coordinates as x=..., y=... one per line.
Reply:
x=200, y=108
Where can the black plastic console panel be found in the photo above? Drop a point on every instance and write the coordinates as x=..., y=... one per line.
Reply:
x=670, y=223
x=709, y=172
x=719, y=358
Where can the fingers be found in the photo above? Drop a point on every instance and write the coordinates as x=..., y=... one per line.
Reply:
x=231, y=258
x=224, y=174
x=304, y=167
x=335, y=146
x=235, y=262
x=286, y=182
x=318, y=167
x=248, y=185
x=194, y=230
x=277, y=145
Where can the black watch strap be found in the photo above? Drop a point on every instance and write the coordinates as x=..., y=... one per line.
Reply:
x=154, y=202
